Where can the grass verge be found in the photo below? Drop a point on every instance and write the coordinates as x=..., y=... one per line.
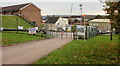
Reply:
x=10, y=38
x=98, y=50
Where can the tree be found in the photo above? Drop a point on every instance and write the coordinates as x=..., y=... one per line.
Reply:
x=76, y=20
x=98, y=17
x=112, y=9
x=73, y=29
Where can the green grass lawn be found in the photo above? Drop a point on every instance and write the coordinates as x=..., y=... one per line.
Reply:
x=9, y=38
x=97, y=50
x=9, y=22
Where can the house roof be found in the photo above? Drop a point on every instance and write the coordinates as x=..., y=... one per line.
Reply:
x=52, y=20
x=65, y=20
x=13, y=8
x=100, y=20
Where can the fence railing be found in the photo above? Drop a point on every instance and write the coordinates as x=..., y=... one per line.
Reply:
x=27, y=20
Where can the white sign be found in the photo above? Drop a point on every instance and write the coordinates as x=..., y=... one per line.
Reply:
x=36, y=28
x=32, y=30
x=80, y=33
x=20, y=27
x=81, y=30
x=80, y=27
x=1, y=29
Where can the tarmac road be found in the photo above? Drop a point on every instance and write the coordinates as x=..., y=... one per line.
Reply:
x=27, y=53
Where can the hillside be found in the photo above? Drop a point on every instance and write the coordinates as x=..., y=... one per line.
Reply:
x=10, y=22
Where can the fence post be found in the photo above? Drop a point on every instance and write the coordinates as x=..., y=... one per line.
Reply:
x=61, y=35
x=56, y=31
x=71, y=34
x=17, y=24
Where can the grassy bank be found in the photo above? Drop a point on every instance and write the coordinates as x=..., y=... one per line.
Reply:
x=9, y=38
x=10, y=22
x=98, y=50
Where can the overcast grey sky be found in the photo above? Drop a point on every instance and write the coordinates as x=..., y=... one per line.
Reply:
x=50, y=0
x=62, y=7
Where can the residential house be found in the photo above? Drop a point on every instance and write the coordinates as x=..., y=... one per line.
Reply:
x=27, y=11
x=57, y=22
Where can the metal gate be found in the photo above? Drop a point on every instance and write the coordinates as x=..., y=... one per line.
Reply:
x=58, y=32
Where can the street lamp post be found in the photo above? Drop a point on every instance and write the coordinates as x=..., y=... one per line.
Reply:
x=81, y=12
x=70, y=17
x=85, y=24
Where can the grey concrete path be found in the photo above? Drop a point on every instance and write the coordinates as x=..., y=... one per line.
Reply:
x=27, y=53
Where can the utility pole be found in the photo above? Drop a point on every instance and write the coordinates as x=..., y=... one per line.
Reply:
x=17, y=24
x=71, y=10
x=70, y=17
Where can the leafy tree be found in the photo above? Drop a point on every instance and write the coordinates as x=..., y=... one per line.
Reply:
x=113, y=9
x=98, y=17
x=76, y=20
x=73, y=29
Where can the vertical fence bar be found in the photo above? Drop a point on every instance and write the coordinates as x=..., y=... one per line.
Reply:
x=17, y=24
